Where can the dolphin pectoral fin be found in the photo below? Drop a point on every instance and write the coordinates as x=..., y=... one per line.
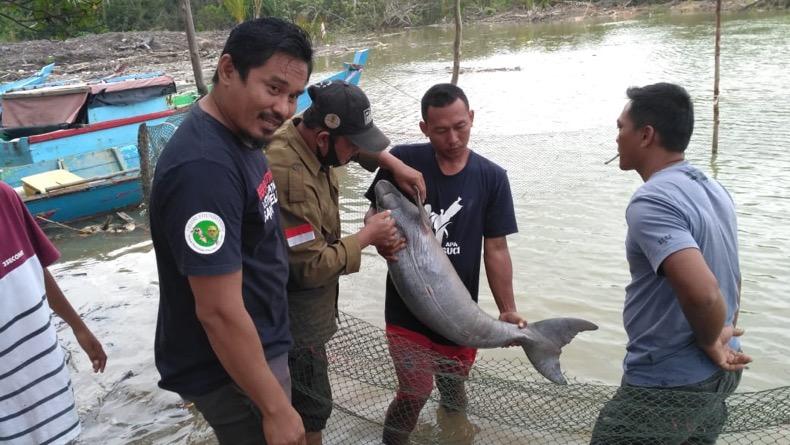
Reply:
x=544, y=350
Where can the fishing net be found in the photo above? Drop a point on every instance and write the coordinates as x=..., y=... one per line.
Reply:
x=151, y=140
x=509, y=402
x=506, y=400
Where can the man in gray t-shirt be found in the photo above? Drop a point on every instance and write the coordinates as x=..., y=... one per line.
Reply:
x=681, y=306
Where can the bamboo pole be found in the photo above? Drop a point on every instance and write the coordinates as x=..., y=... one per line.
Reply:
x=457, y=43
x=146, y=169
x=717, y=56
x=194, y=55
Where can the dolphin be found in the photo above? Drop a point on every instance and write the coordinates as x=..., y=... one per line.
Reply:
x=426, y=280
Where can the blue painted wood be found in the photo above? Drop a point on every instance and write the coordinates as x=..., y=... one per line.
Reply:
x=112, y=112
x=16, y=152
x=85, y=165
x=87, y=142
x=36, y=79
x=361, y=57
x=350, y=74
x=13, y=175
x=104, y=198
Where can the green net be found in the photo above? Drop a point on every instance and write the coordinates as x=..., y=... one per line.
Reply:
x=509, y=402
x=151, y=140
x=505, y=400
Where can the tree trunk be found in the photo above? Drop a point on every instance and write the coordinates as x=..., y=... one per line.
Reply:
x=717, y=56
x=194, y=55
x=457, y=43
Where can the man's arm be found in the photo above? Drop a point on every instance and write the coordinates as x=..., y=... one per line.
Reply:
x=499, y=271
x=407, y=178
x=61, y=306
x=317, y=262
x=233, y=337
x=703, y=305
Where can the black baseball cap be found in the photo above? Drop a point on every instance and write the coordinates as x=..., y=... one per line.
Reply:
x=344, y=110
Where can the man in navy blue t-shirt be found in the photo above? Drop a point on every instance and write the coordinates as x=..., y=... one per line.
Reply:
x=471, y=209
x=222, y=334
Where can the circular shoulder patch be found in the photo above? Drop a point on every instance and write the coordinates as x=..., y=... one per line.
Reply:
x=205, y=232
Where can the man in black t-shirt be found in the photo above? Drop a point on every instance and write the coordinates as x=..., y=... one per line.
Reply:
x=222, y=334
x=471, y=210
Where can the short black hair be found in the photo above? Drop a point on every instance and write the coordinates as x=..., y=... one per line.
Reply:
x=251, y=43
x=441, y=95
x=668, y=109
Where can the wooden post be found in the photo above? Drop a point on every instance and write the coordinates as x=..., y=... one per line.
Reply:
x=146, y=169
x=194, y=55
x=457, y=43
x=717, y=55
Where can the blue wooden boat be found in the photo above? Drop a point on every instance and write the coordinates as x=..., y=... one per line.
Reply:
x=99, y=159
x=56, y=121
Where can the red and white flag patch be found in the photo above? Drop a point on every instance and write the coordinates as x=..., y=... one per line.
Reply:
x=299, y=235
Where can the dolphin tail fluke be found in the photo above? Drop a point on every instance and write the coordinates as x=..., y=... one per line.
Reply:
x=544, y=352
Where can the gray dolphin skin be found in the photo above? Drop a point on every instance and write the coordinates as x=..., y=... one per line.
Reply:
x=426, y=280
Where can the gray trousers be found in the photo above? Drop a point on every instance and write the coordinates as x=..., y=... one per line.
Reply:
x=692, y=414
x=232, y=415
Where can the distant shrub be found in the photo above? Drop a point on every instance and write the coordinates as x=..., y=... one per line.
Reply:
x=211, y=17
x=132, y=15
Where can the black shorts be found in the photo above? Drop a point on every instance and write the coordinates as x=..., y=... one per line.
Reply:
x=232, y=415
x=312, y=394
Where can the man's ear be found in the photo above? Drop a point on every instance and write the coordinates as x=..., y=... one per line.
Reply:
x=225, y=68
x=471, y=117
x=648, y=135
x=322, y=142
x=424, y=128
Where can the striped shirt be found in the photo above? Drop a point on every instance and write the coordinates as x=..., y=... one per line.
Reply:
x=36, y=398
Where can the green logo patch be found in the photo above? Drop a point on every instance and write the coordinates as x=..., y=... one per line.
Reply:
x=205, y=232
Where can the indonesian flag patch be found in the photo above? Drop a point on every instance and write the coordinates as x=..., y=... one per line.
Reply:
x=299, y=235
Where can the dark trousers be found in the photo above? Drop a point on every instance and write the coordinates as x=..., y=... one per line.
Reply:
x=232, y=415
x=312, y=393
x=692, y=414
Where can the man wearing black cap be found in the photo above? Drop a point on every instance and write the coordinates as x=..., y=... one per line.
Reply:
x=337, y=128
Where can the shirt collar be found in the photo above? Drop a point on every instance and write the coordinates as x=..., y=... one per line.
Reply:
x=299, y=145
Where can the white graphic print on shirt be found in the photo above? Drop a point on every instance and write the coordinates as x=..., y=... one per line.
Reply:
x=440, y=222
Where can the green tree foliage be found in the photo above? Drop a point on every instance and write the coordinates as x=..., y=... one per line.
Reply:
x=212, y=16
x=137, y=15
x=237, y=9
x=26, y=19
x=132, y=15
x=46, y=19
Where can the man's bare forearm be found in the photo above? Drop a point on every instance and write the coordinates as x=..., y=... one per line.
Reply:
x=499, y=271
x=706, y=317
x=698, y=294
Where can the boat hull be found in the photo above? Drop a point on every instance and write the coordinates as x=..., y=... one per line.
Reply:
x=98, y=199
